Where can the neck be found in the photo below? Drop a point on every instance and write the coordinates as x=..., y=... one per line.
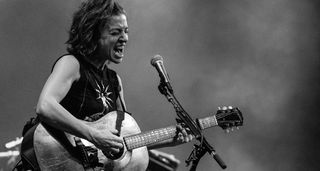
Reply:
x=98, y=62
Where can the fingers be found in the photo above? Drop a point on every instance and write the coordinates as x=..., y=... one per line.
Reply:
x=114, y=131
x=191, y=137
x=115, y=135
x=184, y=134
x=114, y=150
x=115, y=141
x=111, y=146
x=106, y=139
x=185, y=138
x=115, y=144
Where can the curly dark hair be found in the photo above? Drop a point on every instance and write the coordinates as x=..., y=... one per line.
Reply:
x=88, y=21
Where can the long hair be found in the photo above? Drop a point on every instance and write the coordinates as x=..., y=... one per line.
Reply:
x=88, y=23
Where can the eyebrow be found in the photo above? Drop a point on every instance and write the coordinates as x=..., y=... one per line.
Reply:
x=118, y=27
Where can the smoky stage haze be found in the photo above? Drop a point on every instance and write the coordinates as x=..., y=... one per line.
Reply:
x=260, y=56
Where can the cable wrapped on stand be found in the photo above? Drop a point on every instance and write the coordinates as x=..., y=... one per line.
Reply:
x=184, y=117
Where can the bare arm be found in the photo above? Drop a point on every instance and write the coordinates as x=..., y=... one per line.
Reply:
x=65, y=72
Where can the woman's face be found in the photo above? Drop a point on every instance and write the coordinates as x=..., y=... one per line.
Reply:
x=113, y=39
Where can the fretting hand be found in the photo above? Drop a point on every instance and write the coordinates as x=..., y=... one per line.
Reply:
x=183, y=134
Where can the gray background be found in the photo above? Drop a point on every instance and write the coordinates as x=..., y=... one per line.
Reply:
x=262, y=56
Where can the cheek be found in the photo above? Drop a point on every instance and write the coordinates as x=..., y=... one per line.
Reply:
x=104, y=47
x=108, y=44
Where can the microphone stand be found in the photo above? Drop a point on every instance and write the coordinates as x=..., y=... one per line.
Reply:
x=198, y=150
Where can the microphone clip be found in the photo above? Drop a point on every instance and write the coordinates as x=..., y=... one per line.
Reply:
x=165, y=89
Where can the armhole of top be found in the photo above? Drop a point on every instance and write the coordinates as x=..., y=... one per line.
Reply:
x=55, y=62
x=81, y=71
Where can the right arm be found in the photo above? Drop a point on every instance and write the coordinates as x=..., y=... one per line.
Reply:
x=65, y=72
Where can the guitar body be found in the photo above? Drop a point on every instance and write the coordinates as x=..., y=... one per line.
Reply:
x=58, y=152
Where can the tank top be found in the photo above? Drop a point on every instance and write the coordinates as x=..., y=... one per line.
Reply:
x=94, y=94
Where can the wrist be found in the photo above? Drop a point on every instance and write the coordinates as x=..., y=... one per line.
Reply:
x=90, y=134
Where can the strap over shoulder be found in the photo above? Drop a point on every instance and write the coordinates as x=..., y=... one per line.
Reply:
x=113, y=77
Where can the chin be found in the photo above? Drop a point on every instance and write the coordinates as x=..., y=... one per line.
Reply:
x=117, y=61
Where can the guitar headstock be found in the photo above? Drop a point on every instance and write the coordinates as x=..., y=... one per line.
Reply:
x=229, y=117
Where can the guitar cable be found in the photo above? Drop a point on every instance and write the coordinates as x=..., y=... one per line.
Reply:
x=15, y=167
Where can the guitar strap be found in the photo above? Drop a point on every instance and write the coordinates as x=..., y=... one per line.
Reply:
x=115, y=82
x=27, y=153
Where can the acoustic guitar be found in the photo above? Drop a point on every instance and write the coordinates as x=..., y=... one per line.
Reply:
x=57, y=151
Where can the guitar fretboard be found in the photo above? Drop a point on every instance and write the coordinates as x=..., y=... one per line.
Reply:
x=149, y=137
x=158, y=135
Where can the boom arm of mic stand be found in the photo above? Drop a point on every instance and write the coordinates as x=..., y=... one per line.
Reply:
x=194, y=128
x=182, y=114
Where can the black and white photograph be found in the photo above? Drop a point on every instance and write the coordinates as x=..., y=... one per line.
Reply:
x=159, y=85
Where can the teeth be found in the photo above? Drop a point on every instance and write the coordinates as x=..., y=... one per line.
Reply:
x=119, y=52
x=119, y=49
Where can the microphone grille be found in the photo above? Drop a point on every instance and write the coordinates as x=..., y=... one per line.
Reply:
x=155, y=59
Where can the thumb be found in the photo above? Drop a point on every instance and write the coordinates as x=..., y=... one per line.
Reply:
x=114, y=131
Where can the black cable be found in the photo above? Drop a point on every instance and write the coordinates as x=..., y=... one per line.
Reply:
x=16, y=165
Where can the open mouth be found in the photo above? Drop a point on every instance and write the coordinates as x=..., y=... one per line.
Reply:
x=119, y=51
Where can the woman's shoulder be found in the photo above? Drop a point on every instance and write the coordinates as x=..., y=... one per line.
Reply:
x=68, y=64
x=69, y=59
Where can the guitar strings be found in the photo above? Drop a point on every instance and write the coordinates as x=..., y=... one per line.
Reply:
x=223, y=115
x=94, y=149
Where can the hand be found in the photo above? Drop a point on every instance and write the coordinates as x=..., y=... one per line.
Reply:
x=183, y=134
x=106, y=140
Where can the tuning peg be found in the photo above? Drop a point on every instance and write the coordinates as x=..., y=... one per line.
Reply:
x=224, y=108
x=238, y=128
x=219, y=108
x=230, y=107
x=227, y=130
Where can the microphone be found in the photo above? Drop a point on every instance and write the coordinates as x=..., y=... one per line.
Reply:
x=157, y=62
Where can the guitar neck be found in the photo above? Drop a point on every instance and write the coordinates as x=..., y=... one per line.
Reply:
x=158, y=135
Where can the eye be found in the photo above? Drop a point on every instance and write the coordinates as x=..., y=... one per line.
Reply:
x=114, y=32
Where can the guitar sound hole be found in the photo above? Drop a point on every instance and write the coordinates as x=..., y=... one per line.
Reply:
x=114, y=156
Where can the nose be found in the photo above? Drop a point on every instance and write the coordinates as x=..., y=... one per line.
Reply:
x=124, y=37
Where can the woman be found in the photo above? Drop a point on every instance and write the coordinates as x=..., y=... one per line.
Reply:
x=81, y=87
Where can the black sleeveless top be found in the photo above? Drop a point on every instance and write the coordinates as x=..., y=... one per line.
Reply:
x=94, y=94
